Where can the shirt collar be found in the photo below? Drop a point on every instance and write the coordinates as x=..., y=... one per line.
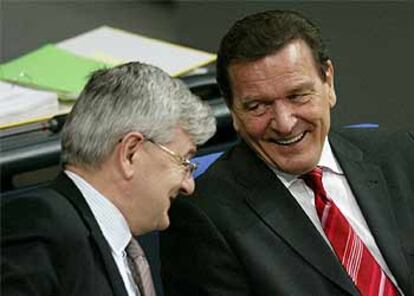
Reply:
x=327, y=162
x=112, y=223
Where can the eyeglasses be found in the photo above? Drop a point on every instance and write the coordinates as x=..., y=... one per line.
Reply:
x=189, y=165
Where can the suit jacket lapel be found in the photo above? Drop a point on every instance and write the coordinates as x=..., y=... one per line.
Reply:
x=65, y=186
x=278, y=209
x=370, y=189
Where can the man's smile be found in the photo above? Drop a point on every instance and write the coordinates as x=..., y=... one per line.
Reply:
x=289, y=140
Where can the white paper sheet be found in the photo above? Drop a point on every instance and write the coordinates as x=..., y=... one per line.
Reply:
x=115, y=46
x=19, y=104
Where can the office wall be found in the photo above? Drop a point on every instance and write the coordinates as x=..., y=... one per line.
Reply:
x=371, y=43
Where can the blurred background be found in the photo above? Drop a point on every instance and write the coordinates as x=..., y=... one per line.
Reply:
x=371, y=43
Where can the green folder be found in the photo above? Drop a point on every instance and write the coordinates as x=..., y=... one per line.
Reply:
x=51, y=68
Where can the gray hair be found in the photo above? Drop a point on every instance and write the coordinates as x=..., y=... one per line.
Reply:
x=131, y=97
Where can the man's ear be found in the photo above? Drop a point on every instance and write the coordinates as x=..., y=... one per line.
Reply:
x=329, y=74
x=129, y=148
x=235, y=121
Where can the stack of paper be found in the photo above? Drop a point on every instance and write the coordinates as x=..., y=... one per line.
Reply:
x=21, y=104
x=114, y=46
x=64, y=69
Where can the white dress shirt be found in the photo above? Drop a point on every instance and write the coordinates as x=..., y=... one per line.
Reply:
x=337, y=188
x=112, y=224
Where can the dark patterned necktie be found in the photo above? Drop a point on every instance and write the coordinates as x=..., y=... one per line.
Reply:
x=361, y=266
x=140, y=269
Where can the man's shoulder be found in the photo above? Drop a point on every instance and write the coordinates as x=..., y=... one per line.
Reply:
x=378, y=141
x=33, y=198
x=221, y=191
x=39, y=211
x=222, y=177
x=53, y=191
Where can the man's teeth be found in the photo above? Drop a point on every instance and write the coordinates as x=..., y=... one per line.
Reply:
x=291, y=140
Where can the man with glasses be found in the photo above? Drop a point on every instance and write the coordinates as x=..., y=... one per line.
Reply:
x=126, y=149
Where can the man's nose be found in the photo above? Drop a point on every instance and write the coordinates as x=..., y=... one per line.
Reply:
x=188, y=185
x=284, y=119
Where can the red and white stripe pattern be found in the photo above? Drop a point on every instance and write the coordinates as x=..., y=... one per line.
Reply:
x=361, y=266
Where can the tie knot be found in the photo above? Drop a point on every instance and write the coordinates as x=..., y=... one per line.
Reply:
x=134, y=250
x=314, y=179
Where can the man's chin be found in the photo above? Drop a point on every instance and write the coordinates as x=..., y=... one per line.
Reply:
x=292, y=167
x=164, y=224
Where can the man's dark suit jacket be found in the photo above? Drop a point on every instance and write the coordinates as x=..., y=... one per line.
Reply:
x=52, y=245
x=242, y=233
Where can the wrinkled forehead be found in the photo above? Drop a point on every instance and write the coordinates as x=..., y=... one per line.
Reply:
x=290, y=67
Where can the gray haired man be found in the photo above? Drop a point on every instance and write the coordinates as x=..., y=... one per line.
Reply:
x=126, y=150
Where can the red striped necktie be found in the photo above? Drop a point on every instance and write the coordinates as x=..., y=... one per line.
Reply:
x=361, y=266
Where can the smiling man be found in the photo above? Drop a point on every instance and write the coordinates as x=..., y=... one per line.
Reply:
x=126, y=146
x=281, y=106
x=294, y=208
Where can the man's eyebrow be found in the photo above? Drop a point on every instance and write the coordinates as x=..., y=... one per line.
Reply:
x=307, y=85
x=249, y=99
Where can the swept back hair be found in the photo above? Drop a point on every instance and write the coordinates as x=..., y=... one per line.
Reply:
x=131, y=97
x=264, y=33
